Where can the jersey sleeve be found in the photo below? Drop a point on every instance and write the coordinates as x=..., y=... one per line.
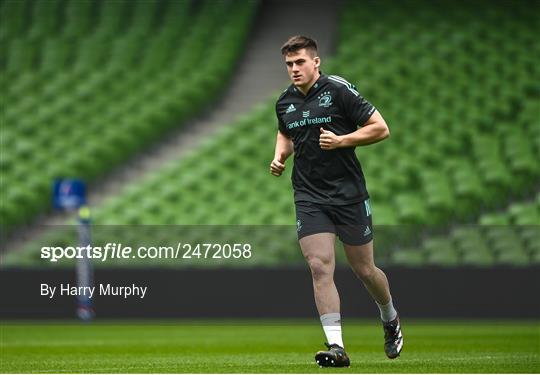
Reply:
x=357, y=109
x=281, y=124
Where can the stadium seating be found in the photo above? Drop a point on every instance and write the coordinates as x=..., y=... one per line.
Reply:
x=450, y=143
x=453, y=184
x=86, y=84
x=509, y=237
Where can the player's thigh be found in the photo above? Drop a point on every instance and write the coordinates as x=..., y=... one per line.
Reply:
x=360, y=255
x=319, y=246
x=318, y=250
x=315, y=230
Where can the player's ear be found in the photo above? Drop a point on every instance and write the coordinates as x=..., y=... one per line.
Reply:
x=317, y=61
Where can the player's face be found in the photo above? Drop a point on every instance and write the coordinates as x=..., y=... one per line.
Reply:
x=303, y=68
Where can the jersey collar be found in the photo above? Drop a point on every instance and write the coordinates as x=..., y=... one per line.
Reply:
x=318, y=83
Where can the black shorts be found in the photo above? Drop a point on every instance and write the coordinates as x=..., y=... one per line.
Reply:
x=351, y=223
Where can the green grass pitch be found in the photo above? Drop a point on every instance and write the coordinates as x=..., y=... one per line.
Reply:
x=264, y=347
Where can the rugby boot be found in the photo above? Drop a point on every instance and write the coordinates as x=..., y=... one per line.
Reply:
x=393, y=338
x=335, y=356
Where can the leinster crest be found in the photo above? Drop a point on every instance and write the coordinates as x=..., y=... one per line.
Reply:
x=325, y=99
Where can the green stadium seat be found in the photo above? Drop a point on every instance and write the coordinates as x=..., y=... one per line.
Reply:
x=46, y=19
x=439, y=195
x=514, y=256
x=535, y=257
x=13, y=18
x=411, y=209
x=56, y=55
x=440, y=252
x=507, y=245
x=530, y=236
x=468, y=188
x=409, y=258
x=78, y=19
x=468, y=239
x=383, y=214
x=524, y=214
x=144, y=17
x=478, y=256
x=93, y=51
x=111, y=20
x=494, y=219
x=126, y=51
x=22, y=56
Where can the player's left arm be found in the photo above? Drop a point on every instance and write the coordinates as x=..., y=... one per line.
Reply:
x=374, y=130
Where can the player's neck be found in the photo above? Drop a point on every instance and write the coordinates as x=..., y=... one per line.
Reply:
x=304, y=89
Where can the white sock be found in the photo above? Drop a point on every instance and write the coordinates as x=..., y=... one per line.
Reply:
x=331, y=324
x=388, y=312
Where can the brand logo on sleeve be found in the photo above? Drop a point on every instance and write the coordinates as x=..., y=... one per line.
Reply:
x=291, y=108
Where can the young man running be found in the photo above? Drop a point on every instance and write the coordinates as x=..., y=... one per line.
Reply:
x=321, y=120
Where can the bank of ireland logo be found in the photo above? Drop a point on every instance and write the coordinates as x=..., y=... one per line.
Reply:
x=298, y=225
x=291, y=108
x=305, y=114
x=325, y=99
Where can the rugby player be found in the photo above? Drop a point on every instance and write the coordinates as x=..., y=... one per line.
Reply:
x=322, y=119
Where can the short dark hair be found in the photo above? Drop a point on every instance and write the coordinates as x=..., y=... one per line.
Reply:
x=298, y=42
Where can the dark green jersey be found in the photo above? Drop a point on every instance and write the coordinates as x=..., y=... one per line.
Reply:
x=324, y=176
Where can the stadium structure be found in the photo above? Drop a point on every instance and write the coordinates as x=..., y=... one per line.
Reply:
x=166, y=110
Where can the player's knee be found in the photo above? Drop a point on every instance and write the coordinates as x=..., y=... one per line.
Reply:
x=319, y=268
x=365, y=272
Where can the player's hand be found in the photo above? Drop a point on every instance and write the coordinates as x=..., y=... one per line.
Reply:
x=277, y=167
x=328, y=140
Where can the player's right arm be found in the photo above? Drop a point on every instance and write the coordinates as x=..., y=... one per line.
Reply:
x=284, y=149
